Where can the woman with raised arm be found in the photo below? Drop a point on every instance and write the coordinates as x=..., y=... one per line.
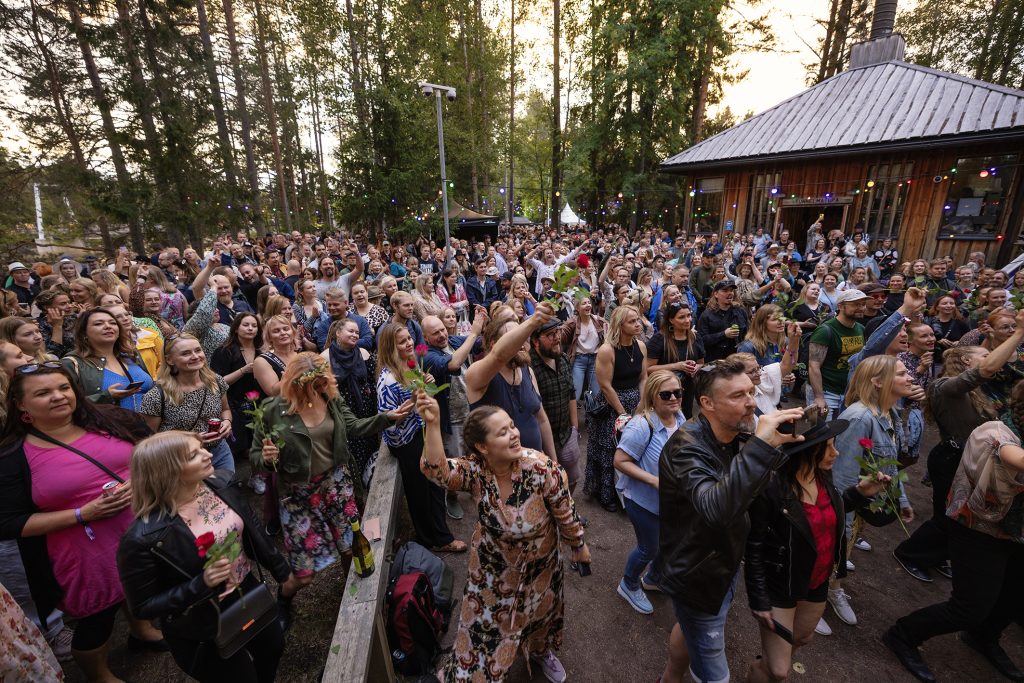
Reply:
x=513, y=599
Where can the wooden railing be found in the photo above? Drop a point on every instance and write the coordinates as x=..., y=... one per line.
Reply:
x=359, y=650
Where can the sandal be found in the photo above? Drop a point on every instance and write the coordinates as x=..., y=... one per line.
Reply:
x=455, y=546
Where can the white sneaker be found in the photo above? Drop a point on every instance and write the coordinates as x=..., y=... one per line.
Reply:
x=862, y=544
x=850, y=566
x=61, y=644
x=823, y=629
x=841, y=604
x=550, y=666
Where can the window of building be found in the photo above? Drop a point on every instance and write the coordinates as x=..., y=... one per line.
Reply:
x=976, y=196
x=884, y=199
x=763, y=201
x=709, y=194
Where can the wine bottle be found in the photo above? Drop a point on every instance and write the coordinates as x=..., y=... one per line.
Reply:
x=362, y=555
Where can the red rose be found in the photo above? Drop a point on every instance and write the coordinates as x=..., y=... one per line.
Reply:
x=202, y=553
x=204, y=541
x=252, y=395
x=866, y=443
x=411, y=363
x=421, y=349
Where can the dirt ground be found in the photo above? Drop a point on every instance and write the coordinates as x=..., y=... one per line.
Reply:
x=606, y=641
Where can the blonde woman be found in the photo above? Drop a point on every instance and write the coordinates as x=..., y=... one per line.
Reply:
x=374, y=314
x=173, y=303
x=278, y=350
x=766, y=337
x=621, y=371
x=176, y=498
x=108, y=283
x=405, y=440
x=83, y=293
x=307, y=308
x=24, y=332
x=425, y=299
x=388, y=287
x=314, y=467
x=520, y=291
x=187, y=395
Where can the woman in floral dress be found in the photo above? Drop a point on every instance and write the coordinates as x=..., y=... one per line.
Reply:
x=513, y=599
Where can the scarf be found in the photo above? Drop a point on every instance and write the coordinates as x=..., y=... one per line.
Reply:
x=351, y=372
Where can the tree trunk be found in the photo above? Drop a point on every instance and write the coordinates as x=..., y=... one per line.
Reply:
x=700, y=97
x=325, y=205
x=223, y=136
x=556, y=121
x=124, y=179
x=469, y=71
x=292, y=147
x=826, y=45
x=256, y=213
x=271, y=109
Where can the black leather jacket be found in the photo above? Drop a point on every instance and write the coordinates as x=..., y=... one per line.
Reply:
x=162, y=573
x=705, y=489
x=780, y=548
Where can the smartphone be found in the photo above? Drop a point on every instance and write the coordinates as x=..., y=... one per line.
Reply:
x=132, y=386
x=782, y=631
x=810, y=418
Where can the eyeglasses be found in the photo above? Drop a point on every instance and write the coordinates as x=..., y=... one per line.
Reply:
x=667, y=395
x=36, y=367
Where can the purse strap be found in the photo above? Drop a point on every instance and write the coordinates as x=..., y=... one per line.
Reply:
x=39, y=435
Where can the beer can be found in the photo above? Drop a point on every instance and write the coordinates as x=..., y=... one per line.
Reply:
x=110, y=488
x=213, y=424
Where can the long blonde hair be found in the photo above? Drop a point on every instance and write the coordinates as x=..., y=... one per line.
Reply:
x=156, y=466
x=877, y=398
x=612, y=337
x=387, y=351
x=167, y=376
x=757, y=333
x=301, y=381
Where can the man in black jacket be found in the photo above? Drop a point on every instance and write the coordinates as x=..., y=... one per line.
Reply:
x=722, y=326
x=710, y=472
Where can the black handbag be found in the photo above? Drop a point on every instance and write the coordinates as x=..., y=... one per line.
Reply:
x=240, y=621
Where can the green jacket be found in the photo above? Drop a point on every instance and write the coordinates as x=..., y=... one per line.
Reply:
x=296, y=453
x=88, y=373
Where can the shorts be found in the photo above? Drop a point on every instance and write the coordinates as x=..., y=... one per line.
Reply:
x=778, y=599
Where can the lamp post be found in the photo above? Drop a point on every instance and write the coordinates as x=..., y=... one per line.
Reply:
x=435, y=90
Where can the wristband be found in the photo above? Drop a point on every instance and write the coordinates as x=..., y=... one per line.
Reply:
x=81, y=520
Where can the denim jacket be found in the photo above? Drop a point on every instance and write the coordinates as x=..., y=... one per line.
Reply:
x=866, y=425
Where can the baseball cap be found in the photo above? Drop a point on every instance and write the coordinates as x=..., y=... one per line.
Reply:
x=17, y=265
x=848, y=296
x=870, y=288
x=508, y=275
x=492, y=271
x=548, y=326
x=724, y=284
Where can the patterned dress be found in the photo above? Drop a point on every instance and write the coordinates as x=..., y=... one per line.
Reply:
x=24, y=654
x=513, y=597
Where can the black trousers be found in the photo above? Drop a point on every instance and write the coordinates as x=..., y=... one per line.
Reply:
x=928, y=545
x=424, y=498
x=987, y=589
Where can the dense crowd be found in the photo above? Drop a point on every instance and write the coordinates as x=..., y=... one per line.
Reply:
x=134, y=387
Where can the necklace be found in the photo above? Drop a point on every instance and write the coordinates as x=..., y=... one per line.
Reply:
x=629, y=352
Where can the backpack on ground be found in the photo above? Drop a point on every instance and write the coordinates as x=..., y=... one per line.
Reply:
x=415, y=624
x=413, y=557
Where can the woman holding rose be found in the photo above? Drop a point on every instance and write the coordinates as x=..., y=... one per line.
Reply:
x=303, y=434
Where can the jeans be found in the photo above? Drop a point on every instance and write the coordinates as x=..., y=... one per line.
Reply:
x=833, y=401
x=222, y=458
x=645, y=525
x=987, y=590
x=705, y=639
x=584, y=373
x=915, y=432
x=569, y=459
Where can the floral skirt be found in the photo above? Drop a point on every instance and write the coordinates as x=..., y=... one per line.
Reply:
x=316, y=519
x=599, y=480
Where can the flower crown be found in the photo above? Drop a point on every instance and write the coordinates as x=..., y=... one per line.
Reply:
x=309, y=375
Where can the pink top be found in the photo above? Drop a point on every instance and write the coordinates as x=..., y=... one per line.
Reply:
x=62, y=480
x=206, y=512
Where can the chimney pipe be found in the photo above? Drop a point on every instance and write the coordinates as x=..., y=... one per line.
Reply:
x=884, y=18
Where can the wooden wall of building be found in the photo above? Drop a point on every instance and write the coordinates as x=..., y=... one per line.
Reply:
x=842, y=176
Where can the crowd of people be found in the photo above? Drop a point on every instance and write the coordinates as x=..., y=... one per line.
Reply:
x=744, y=402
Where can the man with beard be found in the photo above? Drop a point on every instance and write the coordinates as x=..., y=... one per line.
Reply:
x=710, y=471
x=227, y=305
x=504, y=378
x=553, y=371
x=446, y=359
x=873, y=314
x=329, y=273
x=405, y=310
x=337, y=308
x=253, y=278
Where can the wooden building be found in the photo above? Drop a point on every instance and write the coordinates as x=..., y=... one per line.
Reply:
x=929, y=158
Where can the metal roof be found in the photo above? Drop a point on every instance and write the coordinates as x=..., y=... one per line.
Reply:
x=890, y=105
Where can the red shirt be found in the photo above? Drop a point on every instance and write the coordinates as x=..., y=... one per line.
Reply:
x=822, y=518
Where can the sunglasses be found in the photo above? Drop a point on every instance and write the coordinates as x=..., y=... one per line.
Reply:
x=35, y=367
x=666, y=395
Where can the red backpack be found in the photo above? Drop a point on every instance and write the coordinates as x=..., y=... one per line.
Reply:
x=415, y=624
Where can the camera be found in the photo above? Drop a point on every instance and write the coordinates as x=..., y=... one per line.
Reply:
x=451, y=95
x=427, y=90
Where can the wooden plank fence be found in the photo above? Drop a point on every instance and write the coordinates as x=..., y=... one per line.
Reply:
x=359, y=651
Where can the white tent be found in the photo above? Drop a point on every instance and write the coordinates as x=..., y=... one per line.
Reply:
x=569, y=217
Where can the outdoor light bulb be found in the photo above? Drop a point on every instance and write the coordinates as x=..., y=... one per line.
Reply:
x=775, y=190
x=620, y=195
x=871, y=183
x=983, y=173
x=692, y=193
x=501, y=190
